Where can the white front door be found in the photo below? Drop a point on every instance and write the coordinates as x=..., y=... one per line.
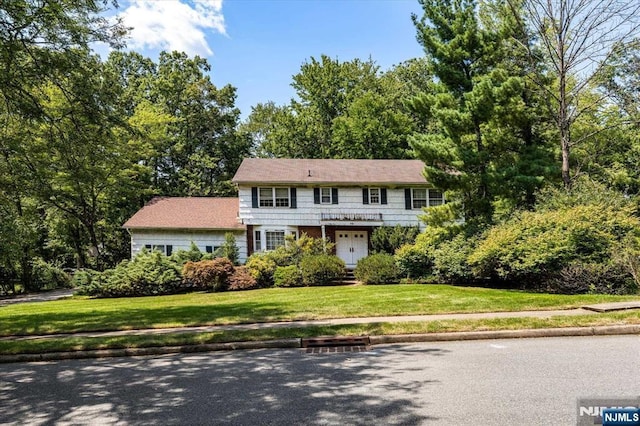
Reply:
x=351, y=246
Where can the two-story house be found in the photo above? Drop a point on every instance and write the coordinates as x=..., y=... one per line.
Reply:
x=343, y=200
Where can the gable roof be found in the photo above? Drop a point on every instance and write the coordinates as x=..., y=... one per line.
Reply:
x=197, y=213
x=336, y=172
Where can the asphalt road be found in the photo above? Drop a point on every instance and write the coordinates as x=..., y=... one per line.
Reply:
x=491, y=382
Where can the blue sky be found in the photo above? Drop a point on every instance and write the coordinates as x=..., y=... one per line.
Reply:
x=257, y=45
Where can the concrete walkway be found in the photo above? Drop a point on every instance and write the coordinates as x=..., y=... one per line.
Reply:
x=323, y=322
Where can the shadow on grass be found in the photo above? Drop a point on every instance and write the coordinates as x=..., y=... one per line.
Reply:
x=135, y=318
x=385, y=386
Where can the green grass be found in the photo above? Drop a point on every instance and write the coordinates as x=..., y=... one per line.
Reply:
x=83, y=314
x=119, y=342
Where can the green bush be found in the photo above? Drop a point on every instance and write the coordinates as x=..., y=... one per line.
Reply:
x=450, y=260
x=180, y=257
x=148, y=274
x=287, y=276
x=533, y=247
x=415, y=261
x=229, y=248
x=295, y=249
x=261, y=266
x=321, y=269
x=241, y=279
x=388, y=239
x=208, y=274
x=379, y=268
x=47, y=277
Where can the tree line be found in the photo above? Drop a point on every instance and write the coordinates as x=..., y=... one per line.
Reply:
x=510, y=96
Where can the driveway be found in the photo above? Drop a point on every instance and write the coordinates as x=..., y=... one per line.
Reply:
x=38, y=297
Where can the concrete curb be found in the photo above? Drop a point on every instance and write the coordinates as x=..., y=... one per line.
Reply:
x=162, y=350
x=296, y=343
x=507, y=334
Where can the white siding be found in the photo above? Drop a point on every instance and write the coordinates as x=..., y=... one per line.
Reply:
x=182, y=240
x=308, y=214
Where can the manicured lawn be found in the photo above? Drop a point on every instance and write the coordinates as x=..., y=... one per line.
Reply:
x=82, y=314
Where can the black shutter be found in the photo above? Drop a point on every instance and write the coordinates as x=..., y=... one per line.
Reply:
x=407, y=198
x=365, y=195
x=254, y=198
x=316, y=195
x=334, y=195
x=383, y=196
x=294, y=198
x=169, y=250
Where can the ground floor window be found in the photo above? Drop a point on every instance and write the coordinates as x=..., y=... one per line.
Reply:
x=274, y=239
x=265, y=239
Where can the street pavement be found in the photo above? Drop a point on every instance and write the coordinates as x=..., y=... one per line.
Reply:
x=489, y=382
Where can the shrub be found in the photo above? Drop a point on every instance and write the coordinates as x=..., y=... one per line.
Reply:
x=601, y=278
x=229, y=248
x=149, y=273
x=377, y=268
x=261, y=266
x=241, y=279
x=287, y=276
x=321, y=269
x=47, y=276
x=415, y=261
x=536, y=245
x=387, y=239
x=208, y=274
x=295, y=249
x=180, y=257
x=450, y=260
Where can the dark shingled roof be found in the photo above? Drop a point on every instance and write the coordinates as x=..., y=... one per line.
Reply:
x=202, y=213
x=336, y=172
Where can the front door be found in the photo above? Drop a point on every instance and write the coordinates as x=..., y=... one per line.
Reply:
x=351, y=246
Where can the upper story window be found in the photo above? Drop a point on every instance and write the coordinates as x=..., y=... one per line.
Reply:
x=422, y=197
x=274, y=197
x=325, y=195
x=374, y=195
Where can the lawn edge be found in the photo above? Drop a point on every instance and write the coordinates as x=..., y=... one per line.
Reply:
x=295, y=343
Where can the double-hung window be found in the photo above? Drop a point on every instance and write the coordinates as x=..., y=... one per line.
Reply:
x=436, y=197
x=422, y=197
x=374, y=195
x=419, y=198
x=325, y=195
x=274, y=197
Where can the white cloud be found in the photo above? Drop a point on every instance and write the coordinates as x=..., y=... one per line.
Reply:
x=173, y=24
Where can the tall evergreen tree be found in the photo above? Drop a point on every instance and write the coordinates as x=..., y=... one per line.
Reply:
x=480, y=124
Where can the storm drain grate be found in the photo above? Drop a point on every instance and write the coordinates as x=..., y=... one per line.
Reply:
x=321, y=345
x=336, y=349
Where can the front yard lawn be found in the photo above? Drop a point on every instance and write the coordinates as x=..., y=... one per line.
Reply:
x=83, y=314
